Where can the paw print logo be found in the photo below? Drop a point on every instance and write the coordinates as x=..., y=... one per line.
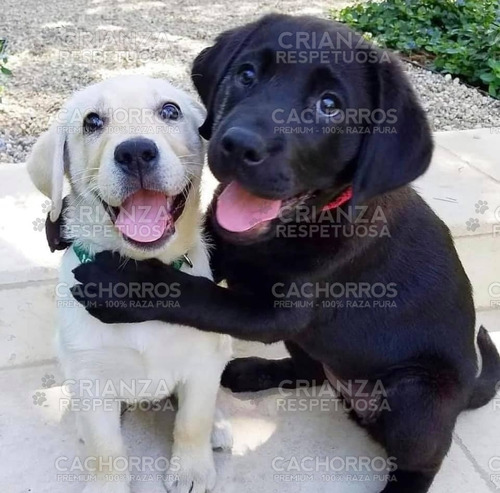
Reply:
x=38, y=224
x=39, y=398
x=481, y=206
x=472, y=224
x=48, y=381
x=46, y=206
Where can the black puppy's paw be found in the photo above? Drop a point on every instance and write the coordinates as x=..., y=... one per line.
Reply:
x=254, y=374
x=108, y=308
x=118, y=290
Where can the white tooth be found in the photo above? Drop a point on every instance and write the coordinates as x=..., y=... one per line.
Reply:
x=170, y=203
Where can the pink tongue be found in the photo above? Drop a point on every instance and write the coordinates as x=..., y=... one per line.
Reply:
x=239, y=210
x=144, y=216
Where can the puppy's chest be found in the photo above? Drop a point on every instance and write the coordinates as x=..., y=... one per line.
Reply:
x=155, y=344
x=149, y=346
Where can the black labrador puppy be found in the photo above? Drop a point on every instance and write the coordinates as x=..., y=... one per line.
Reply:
x=386, y=306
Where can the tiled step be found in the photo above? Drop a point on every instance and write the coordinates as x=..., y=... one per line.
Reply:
x=463, y=187
x=463, y=172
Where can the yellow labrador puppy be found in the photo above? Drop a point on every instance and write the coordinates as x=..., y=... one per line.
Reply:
x=130, y=149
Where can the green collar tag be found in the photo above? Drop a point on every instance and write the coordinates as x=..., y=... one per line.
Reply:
x=177, y=264
x=85, y=257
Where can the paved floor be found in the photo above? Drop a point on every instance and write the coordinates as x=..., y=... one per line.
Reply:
x=281, y=440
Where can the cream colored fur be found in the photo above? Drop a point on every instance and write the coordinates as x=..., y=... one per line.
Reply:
x=172, y=358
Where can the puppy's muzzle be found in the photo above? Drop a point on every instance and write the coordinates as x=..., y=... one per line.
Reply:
x=137, y=157
x=243, y=146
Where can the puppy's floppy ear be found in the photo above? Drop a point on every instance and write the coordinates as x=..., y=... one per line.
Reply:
x=390, y=160
x=46, y=165
x=200, y=113
x=212, y=65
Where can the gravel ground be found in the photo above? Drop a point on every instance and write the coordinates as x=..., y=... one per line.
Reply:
x=59, y=46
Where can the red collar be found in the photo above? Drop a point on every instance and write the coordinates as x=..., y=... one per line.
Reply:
x=339, y=200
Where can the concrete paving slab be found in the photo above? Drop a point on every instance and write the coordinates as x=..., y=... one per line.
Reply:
x=479, y=257
x=24, y=254
x=272, y=435
x=462, y=188
x=27, y=324
x=474, y=433
x=479, y=147
x=278, y=447
x=452, y=187
x=490, y=319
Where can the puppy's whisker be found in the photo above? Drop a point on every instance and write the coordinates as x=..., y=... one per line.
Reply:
x=192, y=163
x=186, y=155
x=185, y=192
x=83, y=199
x=191, y=173
x=82, y=172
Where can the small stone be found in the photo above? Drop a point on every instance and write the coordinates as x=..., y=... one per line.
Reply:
x=447, y=77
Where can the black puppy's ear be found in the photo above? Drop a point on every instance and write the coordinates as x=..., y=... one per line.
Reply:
x=390, y=160
x=213, y=64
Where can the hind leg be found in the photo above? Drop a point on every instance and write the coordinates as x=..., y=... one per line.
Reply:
x=254, y=374
x=192, y=468
x=416, y=430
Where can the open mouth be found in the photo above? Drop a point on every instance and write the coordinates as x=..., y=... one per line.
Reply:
x=146, y=219
x=239, y=211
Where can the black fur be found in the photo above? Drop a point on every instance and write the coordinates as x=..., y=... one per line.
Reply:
x=53, y=231
x=422, y=350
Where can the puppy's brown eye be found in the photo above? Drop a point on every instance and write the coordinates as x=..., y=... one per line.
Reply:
x=246, y=75
x=170, y=111
x=328, y=105
x=92, y=123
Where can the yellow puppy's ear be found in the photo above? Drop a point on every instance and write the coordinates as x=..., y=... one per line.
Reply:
x=46, y=165
x=200, y=112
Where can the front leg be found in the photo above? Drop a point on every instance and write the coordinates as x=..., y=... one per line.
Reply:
x=192, y=465
x=100, y=431
x=198, y=301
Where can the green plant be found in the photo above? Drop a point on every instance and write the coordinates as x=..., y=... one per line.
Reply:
x=460, y=37
x=3, y=60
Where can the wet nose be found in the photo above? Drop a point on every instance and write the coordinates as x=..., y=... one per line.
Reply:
x=244, y=146
x=136, y=156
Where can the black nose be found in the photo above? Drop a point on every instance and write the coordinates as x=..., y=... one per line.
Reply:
x=244, y=146
x=136, y=155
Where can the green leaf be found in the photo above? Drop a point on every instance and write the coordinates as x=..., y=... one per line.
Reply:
x=5, y=71
x=462, y=35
